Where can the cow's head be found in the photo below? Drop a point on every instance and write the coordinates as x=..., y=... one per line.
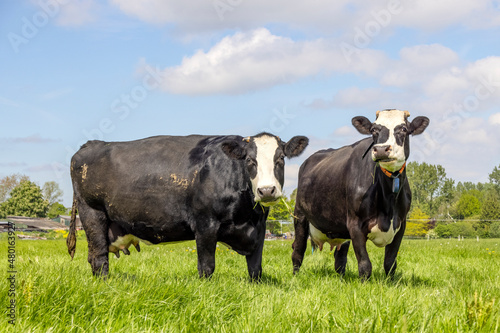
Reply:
x=391, y=131
x=264, y=157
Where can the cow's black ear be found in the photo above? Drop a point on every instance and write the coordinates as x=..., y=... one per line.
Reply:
x=296, y=146
x=418, y=125
x=234, y=149
x=362, y=124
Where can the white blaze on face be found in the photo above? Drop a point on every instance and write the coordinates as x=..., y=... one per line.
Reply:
x=266, y=149
x=391, y=119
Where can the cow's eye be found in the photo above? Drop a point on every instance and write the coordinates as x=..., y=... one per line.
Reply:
x=404, y=129
x=280, y=160
x=251, y=161
x=374, y=130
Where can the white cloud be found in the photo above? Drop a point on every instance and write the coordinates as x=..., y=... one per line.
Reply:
x=258, y=59
x=345, y=131
x=433, y=15
x=77, y=13
x=423, y=74
x=418, y=63
x=199, y=16
x=291, y=177
x=494, y=119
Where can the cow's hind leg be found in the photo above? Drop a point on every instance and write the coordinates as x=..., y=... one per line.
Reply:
x=300, y=243
x=341, y=257
x=95, y=224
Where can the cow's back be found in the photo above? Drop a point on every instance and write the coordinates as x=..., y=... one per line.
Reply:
x=154, y=179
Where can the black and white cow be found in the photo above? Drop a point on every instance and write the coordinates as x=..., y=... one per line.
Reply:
x=342, y=195
x=164, y=189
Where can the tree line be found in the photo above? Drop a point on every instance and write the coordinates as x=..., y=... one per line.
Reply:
x=441, y=206
x=19, y=196
x=446, y=208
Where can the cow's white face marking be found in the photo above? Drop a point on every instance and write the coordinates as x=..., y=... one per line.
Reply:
x=380, y=238
x=391, y=119
x=320, y=238
x=266, y=149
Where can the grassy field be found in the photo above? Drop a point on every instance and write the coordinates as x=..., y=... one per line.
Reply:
x=441, y=286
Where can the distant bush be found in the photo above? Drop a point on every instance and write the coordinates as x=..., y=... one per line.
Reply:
x=463, y=228
x=495, y=230
x=416, y=228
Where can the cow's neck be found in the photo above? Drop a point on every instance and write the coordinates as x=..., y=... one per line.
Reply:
x=395, y=178
x=391, y=183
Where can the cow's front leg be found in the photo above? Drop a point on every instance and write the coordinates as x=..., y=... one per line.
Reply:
x=301, y=225
x=391, y=251
x=254, y=260
x=359, y=244
x=206, y=243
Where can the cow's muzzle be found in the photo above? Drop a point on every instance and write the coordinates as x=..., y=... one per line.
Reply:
x=382, y=153
x=268, y=194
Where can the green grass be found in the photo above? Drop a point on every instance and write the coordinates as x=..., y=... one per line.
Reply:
x=441, y=286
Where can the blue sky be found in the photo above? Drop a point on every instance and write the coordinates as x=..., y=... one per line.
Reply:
x=74, y=70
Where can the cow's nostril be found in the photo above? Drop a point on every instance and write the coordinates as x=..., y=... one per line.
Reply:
x=389, y=148
x=267, y=193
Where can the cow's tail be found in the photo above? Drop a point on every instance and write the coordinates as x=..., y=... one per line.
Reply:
x=71, y=240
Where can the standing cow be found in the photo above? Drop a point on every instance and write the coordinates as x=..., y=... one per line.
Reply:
x=164, y=189
x=342, y=195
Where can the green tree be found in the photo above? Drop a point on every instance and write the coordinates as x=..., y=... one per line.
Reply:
x=426, y=182
x=55, y=210
x=417, y=223
x=494, y=177
x=26, y=200
x=495, y=230
x=418, y=214
x=468, y=205
x=491, y=206
x=8, y=183
x=447, y=193
x=490, y=211
x=51, y=192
